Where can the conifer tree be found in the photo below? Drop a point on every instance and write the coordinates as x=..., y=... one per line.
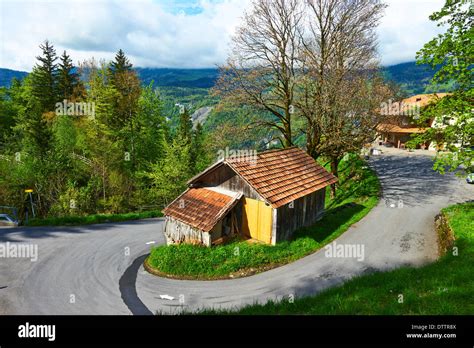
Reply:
x=121, y=63
x=44, y=77
x=185, y=127
x=199, y=158
x=68, y=79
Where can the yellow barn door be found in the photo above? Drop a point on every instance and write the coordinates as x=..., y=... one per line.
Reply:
x=257, y=220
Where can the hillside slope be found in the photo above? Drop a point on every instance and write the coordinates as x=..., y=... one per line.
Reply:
x=413, y=78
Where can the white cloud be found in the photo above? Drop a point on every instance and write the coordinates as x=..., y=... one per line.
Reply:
x=405, y=28
x=150, y=35
x=159, y=33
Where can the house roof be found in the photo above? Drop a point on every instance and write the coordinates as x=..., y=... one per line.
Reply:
x=393, y=128
x=424, y=99
x=202, y=208
x=282, y=176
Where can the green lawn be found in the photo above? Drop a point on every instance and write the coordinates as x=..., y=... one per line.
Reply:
x=93, y=219
x=444, y=287
x=357, y=195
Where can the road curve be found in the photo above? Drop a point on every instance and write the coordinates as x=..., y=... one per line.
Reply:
x=98, y=269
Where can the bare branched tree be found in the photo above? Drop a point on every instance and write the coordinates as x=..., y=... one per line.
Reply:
x=311, y=60
x=261, y=71
x=340, y=89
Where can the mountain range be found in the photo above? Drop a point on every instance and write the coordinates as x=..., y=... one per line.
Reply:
x=413, y=78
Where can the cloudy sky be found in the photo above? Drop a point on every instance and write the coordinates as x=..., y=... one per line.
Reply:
x=169, y=33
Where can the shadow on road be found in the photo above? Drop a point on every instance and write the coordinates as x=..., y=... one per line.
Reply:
x=51, y=231
x=128, y=289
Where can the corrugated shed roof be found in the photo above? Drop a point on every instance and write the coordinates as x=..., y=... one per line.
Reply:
x=201, y=208
x=282, y=176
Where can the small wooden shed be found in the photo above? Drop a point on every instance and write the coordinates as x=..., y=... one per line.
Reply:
x=265, y=199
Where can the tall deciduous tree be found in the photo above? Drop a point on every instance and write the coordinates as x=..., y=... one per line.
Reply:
x=151, y=126
x=340, y=90
x=261, y=71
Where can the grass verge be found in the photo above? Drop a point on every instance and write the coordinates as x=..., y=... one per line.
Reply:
x=93, y=219
x=442, y=288
x=357, y=195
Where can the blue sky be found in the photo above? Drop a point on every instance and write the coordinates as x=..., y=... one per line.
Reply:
x=188, y=7
x=170, y=33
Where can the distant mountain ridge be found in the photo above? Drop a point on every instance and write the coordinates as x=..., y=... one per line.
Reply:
x=413, y=78
x=7, y=75
x=164, y=77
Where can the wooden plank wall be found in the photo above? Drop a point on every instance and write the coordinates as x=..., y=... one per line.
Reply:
x=226, y=178
x=306, y=211
x=177, y=232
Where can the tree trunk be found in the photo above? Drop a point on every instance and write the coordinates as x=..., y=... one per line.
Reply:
x=334, y=171
x=287, y=136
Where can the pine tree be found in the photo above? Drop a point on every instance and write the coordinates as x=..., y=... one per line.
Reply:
x=185, y=127
x=121, y=63
x=44, y=81
x=199, y=158
x=68, y=79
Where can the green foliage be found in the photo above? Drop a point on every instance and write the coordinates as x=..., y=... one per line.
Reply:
x=121, y=64
x=68, y=79
x=44, y=78
x=93, y=219
x=358, y=195
x=185, y=127
x=442, y=288
x=169, y=175
x=79, y=165
x=451, y=52
x=414, y=78
x=152, y=128
x=200, y=159
x=31, y=130
x=8, y=111
x=177, y=79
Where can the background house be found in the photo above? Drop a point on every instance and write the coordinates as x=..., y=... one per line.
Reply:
x=264, y=200
x=400, y=125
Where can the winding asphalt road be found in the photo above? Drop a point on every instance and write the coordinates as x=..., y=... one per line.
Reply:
x=98, y=269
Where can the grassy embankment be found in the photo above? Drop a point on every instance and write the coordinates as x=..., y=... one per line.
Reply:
x=93, y=219
x=444, y=287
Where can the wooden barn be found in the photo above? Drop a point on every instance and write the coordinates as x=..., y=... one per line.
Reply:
x=265, y=199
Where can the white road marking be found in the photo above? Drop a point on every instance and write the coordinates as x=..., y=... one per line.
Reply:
x=152, y=242
x=167, y=297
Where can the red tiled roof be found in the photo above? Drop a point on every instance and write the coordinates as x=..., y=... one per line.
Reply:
x=424, y=99
x=393, y=128
x=201, y=208
x=282, y=176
